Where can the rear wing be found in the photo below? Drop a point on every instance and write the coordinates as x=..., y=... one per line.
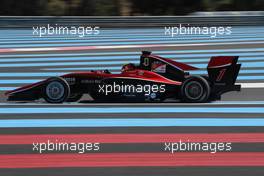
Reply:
x=223, y=69
x=223, y=72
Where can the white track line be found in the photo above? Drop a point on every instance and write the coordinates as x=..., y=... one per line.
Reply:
x=9, y=50
x=252, y=85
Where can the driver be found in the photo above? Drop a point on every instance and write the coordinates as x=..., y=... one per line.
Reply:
x=128, y=67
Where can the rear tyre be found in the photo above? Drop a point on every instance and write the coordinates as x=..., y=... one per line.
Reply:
x=74, y=97
x=195, y=89
x=56, y=90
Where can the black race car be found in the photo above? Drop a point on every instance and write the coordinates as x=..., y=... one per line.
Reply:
x=154, y=79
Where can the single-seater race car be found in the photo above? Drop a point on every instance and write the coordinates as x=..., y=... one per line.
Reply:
x=154, y=79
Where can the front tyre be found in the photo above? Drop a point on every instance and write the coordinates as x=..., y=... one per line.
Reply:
x=56, y=90
x=195, y=89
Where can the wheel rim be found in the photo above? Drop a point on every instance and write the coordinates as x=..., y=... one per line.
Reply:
x=194, y=90
x=55, y=90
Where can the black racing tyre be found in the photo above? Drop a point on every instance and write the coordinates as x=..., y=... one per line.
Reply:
x=74, y=97
x=195, y=89
x=56, y=90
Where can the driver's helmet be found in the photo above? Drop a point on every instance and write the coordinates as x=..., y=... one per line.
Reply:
x=128, y=67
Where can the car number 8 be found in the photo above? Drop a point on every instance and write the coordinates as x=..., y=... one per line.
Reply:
x=146, y=61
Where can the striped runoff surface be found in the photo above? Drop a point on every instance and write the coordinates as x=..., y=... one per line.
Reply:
x=134, y=139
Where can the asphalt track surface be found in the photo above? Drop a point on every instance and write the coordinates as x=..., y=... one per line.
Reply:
x=131, y=135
